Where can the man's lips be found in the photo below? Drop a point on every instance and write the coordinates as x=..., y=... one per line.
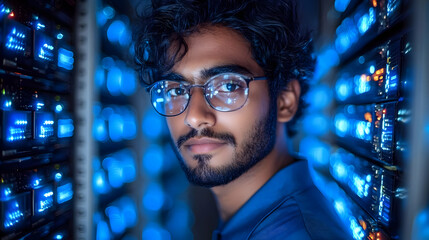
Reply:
x=203, y=145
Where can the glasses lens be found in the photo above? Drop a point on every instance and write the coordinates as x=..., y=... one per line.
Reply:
x=169, y=98
x=227, y=92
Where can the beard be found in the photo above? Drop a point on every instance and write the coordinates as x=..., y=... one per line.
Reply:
x=258, y=144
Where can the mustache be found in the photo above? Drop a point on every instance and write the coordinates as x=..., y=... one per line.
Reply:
x=206, y=132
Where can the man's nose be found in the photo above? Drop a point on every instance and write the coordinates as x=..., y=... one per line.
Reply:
x=199, y=114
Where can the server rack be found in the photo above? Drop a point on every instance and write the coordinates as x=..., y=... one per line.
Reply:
x=360, y=159
x=37, y=124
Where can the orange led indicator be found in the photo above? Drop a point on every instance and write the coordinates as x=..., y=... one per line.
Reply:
x=376, y=78
x=368, y=117
x=374, y=3
x=11, y=14
x=363, y=224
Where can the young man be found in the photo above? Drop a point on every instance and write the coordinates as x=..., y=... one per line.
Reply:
x=229, y=75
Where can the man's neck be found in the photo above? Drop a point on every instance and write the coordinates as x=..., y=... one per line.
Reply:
x=232, y=196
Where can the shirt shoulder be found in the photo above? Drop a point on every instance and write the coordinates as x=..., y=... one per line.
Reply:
x=304, y=215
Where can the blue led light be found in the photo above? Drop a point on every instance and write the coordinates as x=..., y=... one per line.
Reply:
x=40, y=26
x=65, y=128
x=109, y=12
x=3, y=10
x=44, y=47
x=16, y=40
x=129, y=85
x=341, y=5
x=362, y=85
x=58, y=176
x=35, y=182
x=363, y=130
x=108, y=63
x=154, y=232
x=359, y=186
x=121, y=167
x=358, y=232
x=115, y=171
x=325, y=61
x=39, y=105
x=342, y=89
x=58, y=108
x=421, y=225
x=125, y=38
x=364, y=24
x=341, y=125
x=343, y=170
x=392, y=5
x=153, y=159
x=43, y=199
x=117, y=221
x=339, y=206
x=59, y=236
x=319, y=97
x=128, y=165
x=347, y=35
x=5, y=192
x=100, y=76
x=60, y=36
x=129, y=210
x=122, y=214
x=178, y=222
x=315, y=151
x=65, y=59
x=103, y=231
x=100, y=183
x=44, y=125
x=316, y=124
x=64, y=193
x=152, y=124
x=13, y=215
x=391, y=80
x=372, y=69
x=114, y=81
x=99, y=130
x=17, y=125
x=115, y=31
x=7, y=104
x=129, y=124
x=116, y=127
x=153, y=198
x=339, y=170
x=101, y=18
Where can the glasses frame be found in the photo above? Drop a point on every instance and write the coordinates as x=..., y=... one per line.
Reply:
x=188, y=87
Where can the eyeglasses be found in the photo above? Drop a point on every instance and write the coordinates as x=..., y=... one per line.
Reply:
x=224, y=92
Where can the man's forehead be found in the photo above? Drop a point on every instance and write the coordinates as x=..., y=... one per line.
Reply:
x=214, y=47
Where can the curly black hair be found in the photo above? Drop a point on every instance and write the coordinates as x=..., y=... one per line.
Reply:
x=278, y=44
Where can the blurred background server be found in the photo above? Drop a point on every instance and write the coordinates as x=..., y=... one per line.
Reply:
x=84, y=156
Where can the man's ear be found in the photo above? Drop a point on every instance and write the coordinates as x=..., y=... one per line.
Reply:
x=288, y=101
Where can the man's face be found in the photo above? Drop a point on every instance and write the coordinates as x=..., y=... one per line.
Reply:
x=217, y=147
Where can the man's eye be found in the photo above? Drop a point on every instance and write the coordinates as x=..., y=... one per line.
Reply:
x=229, y=87
x=176, y=92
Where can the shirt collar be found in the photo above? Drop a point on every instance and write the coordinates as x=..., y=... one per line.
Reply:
x=289, y=180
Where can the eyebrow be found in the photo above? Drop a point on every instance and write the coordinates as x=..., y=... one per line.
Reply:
x=208, y=73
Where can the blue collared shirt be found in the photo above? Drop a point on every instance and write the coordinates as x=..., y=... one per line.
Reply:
x=287, y=207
